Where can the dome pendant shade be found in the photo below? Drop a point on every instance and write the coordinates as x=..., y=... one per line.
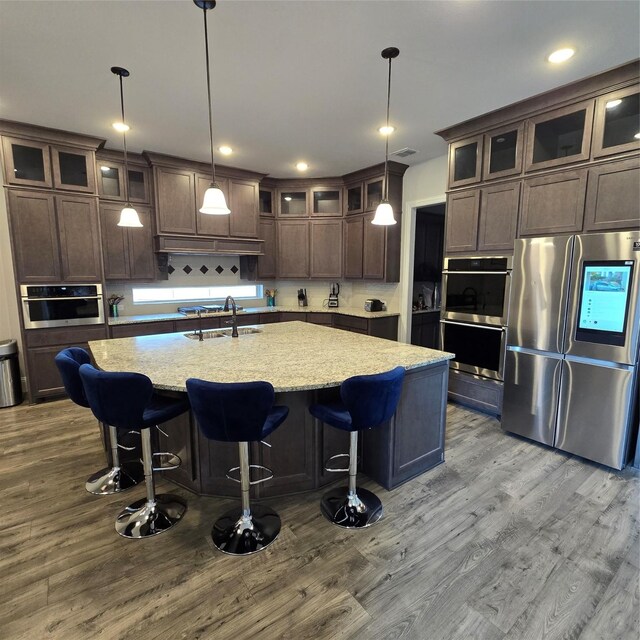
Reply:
x=129, y=217
x=214, y=203
x=384, y=214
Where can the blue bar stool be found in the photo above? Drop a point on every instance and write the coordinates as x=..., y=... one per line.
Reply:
x=127, y=401
x=367, y=402
x=242, y=413
x=120, y=476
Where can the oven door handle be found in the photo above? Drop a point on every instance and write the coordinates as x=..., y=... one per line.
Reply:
x=490, y=273
x=474, y=326
x=61, y=299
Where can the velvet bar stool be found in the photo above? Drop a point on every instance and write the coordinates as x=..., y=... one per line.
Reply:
x=242, y=413
x=120, y=476
x=367, y=402
x=127, y=401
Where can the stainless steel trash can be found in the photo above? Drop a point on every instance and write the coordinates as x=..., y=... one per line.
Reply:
x=10, y=387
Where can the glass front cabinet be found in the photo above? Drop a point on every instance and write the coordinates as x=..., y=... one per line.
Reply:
x=326, y=201
x=353, y=199
x=111, y=181
x=503, y=152
x=293, y=203
x=465, y=161
x=617, y=122
x=36, y=164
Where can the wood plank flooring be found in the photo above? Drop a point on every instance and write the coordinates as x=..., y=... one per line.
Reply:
x=506, y=540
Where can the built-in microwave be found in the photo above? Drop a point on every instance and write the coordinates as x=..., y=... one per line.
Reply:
x=45, y=306
x=476, y=289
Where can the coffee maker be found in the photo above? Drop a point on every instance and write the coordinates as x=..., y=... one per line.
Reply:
x=333, y=296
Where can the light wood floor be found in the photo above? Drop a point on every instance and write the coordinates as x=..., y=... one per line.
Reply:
x=507, y=539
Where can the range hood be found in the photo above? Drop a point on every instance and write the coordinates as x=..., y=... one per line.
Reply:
x=209, y=246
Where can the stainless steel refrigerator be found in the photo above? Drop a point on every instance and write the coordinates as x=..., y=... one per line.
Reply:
x=571, y=363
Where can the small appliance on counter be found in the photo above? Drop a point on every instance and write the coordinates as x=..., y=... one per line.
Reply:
x=373, y=304
x=333, y=296
x=302, y=298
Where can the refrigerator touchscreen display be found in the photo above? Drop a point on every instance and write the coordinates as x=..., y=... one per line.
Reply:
x=604, y=301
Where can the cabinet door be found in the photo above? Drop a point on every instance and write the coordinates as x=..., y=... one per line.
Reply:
x=79, y=238
x=373, y=193
x=267, y=262
x=208, y=225
x=110, y=179
x=293, y=249
x=559, y=137
x=498, y=217
x=353, y=247
x=73, y=169
x=139, y=184
x=35, y=236
x=293, y=203
x=612, y=196
x=465, y=161
x=462, y=220
x=266, y=206
x=176, y=201
x=142, y=264
x=353, y=199
x=244, y=209
x=26, y=163
x=44, y=378
x=326, y=201
x=326, y=248
x=503, y=152
x=615, y=128
x=373, y=252
x=553, y=204
x=115, y=243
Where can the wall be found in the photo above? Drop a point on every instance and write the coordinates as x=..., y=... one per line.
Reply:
x=9, y=318
x=424, y=184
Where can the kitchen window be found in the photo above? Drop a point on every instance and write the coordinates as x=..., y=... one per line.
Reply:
x=148, y=295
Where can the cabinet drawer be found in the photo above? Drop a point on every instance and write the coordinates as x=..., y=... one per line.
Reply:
x=268, y=318
x=476, y=392
x=320, y=318
x=142, y=329
x=192, y=324
x=291, y=316
x=351, y=323
x=64, y=336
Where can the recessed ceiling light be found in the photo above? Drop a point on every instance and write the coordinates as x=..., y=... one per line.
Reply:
x=302, y=166
x=386, y=131
x=120, y=126
x=225, y=151
x=501, y=139
x=561, y=55
x=288, y=198
x=104, y=168
x=612, y=104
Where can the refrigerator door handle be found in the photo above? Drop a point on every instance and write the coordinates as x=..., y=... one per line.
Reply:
x=475, y=326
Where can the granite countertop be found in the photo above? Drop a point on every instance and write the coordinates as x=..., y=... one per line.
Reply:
x=293, y=356
x=346, y=311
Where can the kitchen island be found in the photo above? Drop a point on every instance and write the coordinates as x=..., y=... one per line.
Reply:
x=305, y=364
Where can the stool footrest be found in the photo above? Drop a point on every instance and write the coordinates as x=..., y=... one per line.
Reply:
x=172, y=461
x=333, y=469
x=251, y=466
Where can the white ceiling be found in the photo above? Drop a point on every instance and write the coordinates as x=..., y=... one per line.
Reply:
x=295, y=79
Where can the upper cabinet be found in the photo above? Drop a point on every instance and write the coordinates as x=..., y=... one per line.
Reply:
x=293, y=203
x=175, y=200
x=503, y=152
x=266, y=202
x=326, y=201
x=559, y=137
x=617, y=122
x=243, y=203
x=465, y=161
x=30, y=163
x=110, y=176
x=353, y=199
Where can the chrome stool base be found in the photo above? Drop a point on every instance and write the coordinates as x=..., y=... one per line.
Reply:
x=351, y=512
x=240, y=535
x=115, y=479
x=145, y=518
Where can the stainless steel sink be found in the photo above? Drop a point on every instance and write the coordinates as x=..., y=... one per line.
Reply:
x=242, y=331
x=210, y=333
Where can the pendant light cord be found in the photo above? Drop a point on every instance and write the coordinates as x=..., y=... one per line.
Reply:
x=124, y=144
x=386, y=144
x=206, y=50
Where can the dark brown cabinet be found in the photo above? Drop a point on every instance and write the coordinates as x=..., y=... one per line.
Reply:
x=73, y=169
x=293, y=249
x=267, y=266
x=465, y=162
x=616, y=123
x=110, y=176
x=373, y=192
x=558, y=137
x=463, y=209
x=293, y=203
x=373, y=251
x=503, y=152
x=353, y=247
x=326, y=248
x=498, y=218
x=175, y=201
x=144, y=329
x=244, y=207
x=326, y=201
x=613, y=196
x=425, y=329
x=553, y=203
x=27, y=163
x=354, y=201
x=55, y=237
x=127, y=252
x=266, y=202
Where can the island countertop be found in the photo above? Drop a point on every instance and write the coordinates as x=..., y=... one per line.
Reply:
x=292, y=356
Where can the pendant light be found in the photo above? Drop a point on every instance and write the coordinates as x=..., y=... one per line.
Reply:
x=213, y=202
x=128, y=215
x=384, y=212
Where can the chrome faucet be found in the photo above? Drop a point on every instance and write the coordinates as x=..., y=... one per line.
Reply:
x=200, y=336
x=234, y=319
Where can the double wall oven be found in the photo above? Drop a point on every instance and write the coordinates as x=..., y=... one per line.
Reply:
x=45, y=306
x=475, y=310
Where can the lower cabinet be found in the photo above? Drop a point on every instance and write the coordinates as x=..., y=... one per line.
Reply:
x=143, y=329
x=42, y=345
x=425, y=329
